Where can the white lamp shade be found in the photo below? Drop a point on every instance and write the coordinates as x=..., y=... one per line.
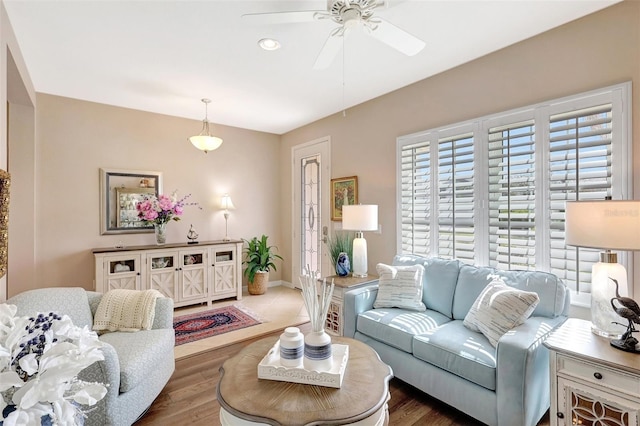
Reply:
x=360, y=217
x=226, y=203
x=205, y=142
x=606, y=224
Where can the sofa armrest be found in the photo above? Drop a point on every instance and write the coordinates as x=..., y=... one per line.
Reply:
x=164, y=313
x=355, y=302
x=106, y=372
x=522, y=382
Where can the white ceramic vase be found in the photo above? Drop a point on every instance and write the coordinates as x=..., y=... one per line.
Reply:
x=317, y=351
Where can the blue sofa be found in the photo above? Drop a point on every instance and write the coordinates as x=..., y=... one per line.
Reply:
x=506, y=385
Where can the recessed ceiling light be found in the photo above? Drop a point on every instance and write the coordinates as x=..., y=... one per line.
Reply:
x=269, y=44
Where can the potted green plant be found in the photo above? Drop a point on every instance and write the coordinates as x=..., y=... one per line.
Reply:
x=259, y=259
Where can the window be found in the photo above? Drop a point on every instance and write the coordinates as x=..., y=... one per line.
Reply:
x=492, y=191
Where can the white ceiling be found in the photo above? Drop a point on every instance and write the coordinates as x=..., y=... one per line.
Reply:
x=165, y=55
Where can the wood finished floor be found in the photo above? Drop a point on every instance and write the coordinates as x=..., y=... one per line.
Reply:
x=190, y=397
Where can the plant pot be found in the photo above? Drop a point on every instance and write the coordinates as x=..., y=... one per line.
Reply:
x=259, y=284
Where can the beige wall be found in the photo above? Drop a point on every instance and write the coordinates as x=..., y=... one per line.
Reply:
x=596, y=51
x=17, y=136
x=76, y=138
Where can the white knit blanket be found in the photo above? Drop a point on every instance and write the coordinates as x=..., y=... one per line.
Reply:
x=126, y=310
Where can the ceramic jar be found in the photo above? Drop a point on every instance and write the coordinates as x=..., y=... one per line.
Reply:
x=317, y=351
x=291, y=347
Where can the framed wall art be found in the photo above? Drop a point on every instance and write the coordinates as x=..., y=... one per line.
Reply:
x=344, y=191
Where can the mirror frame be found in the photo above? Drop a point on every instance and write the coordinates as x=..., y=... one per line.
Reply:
x=106, y=209
x=5, y=184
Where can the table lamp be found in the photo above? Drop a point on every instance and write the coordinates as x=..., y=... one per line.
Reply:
x=226, y=204
x=608, y=225
x=360, y=217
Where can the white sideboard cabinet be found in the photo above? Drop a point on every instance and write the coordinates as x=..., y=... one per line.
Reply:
x=187, y=273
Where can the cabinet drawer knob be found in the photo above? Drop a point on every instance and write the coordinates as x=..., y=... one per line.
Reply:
x=597, y=376
x=560, y=415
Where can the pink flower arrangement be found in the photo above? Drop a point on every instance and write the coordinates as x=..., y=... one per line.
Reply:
x=158, y=210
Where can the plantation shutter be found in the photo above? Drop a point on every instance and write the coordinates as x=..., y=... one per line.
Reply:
x=415, y=190
x=512, y=196
x=580, y=159
x=456, y=239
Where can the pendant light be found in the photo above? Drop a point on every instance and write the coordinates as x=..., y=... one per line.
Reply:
x=204, y=141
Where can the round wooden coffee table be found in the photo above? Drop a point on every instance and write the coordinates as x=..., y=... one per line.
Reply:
x=361, y=400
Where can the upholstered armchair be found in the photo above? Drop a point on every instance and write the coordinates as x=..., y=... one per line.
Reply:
x=137, y=365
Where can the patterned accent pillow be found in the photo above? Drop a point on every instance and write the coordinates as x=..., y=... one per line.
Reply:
x=498, y=309
x=400, y=287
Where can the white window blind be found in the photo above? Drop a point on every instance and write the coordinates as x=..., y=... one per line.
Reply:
x=512, y=196
x=492, y=191
x=415, y=190
x=580, y=168
x=456, y=233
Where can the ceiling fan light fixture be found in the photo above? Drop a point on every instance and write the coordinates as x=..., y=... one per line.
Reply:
x=205, y=141
x=269, y=44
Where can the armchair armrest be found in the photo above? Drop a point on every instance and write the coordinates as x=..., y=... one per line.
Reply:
x=522, y=371
x=355, y=302
x=106, y=372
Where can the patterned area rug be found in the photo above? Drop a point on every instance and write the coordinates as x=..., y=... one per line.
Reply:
x=200, y=325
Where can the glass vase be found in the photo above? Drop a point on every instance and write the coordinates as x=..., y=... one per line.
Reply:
x=161, y=233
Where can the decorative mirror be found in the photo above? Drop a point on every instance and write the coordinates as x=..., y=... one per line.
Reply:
x=120, y=192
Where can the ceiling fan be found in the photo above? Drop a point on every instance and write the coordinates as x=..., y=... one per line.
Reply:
x=349, y=14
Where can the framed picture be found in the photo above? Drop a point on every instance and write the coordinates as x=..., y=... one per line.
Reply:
x=344, y=191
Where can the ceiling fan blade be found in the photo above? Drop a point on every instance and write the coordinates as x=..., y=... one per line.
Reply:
x=397, y=38
x=283, y=17
x=330, y=49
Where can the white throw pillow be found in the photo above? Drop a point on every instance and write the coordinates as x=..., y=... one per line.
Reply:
x=498, y=309
x=400, y=287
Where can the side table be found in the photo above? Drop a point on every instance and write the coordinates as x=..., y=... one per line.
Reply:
x=248, y=401
x=334, y=322
x=592, y=383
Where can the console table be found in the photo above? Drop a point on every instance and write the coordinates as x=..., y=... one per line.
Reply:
x=591, y=382
x=187, y=273
x=334, y=324
x=246, y=400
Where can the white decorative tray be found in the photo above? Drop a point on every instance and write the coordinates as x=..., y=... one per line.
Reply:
x=270, y=368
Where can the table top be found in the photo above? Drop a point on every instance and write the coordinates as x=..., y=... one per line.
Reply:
x=575, y=338
x=350, y=280
x=365, y=389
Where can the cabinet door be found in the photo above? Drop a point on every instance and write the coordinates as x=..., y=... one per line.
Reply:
x=162, y=272
x=122, y=271
x=225, y=279
x=580, y=404
x=193, y=275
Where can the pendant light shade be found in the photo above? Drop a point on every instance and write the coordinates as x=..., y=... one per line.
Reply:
x=205, y=141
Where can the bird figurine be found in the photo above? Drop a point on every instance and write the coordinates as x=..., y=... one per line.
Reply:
x=628, y=309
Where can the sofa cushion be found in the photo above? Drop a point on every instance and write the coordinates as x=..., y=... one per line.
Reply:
x=498, y=309
x=472, y=280
x=400, y=287
x=396, y=327
x=440, y=278
x=139, y=353
x=460, y=351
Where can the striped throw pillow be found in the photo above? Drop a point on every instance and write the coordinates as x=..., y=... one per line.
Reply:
x=498, y=309
x=400, y=287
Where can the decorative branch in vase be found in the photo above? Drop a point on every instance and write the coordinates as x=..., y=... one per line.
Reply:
x=317, y=344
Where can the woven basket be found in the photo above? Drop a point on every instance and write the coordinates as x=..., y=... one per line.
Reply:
x=259, y=284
